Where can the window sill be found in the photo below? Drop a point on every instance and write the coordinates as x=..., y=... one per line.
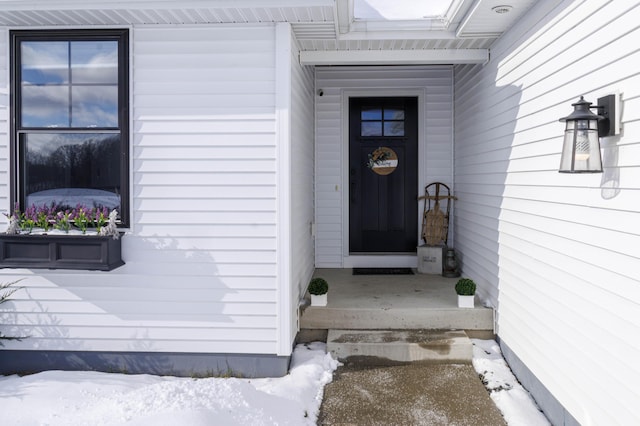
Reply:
x=99, y=253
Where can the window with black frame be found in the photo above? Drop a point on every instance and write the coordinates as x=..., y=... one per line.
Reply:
x=70, y=125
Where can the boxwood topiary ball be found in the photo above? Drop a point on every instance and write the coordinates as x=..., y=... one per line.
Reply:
x=318, y=286
x=465, y=287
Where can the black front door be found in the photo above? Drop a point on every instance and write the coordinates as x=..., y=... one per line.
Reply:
x=383, y=175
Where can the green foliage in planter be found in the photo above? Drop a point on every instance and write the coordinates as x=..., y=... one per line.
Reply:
x=318, y=286
x=59, y=217
x=465, y=287
x=8, y=291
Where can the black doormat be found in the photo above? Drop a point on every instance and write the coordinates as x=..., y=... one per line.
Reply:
x=382, y=271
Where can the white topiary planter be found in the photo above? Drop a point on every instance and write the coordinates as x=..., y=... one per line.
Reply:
x=465, y=301
x=319, y=300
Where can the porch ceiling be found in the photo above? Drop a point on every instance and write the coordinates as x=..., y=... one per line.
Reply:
x=464, y=33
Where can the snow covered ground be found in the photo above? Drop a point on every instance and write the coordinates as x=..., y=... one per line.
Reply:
x=515, y=403
x=90, y=398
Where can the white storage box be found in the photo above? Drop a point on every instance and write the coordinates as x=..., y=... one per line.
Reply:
x=430, y=259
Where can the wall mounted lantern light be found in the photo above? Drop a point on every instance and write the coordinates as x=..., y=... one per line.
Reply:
x=581, y=147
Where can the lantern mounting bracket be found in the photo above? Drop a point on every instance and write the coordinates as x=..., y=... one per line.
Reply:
x=607, y=109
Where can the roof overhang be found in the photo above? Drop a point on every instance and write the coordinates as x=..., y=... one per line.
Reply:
x=326, y=30
x=394, y=57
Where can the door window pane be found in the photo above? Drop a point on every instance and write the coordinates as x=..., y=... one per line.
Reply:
x=393, y=114
x=382, y=121
x=371, y=128
x=394, y=128
x=371, y=114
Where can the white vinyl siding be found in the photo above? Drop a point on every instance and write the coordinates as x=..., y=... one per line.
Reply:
x=201, y=259
x=4, y=120
x=433, y=83
x=294, y=112
x=302, y=152
x=557, y=253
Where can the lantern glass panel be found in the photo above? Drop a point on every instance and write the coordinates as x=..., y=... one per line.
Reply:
x=581, y=148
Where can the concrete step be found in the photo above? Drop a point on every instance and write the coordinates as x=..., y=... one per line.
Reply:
x=430, y=346
x=411, y=318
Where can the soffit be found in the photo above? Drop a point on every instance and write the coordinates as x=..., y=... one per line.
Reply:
x=319, y=25
x=491, y=18
x=157, y=12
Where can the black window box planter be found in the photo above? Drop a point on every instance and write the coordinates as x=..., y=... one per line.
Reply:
x=86, y=252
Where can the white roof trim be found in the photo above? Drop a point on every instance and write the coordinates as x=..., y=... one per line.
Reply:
x=155, y=4
x=318, y=25
x=409, y=35
x=395, y=57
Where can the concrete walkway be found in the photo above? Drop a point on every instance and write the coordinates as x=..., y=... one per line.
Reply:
x=410, y=394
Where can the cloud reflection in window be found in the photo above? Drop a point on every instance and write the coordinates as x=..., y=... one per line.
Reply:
x=69, y=84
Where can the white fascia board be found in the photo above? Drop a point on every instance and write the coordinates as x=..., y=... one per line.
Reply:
x=395, y=57
x=160, y=4
x=398, y=35
x=431, y=24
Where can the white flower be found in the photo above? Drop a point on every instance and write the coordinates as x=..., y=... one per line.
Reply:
x=12, y=229
x=111, y=228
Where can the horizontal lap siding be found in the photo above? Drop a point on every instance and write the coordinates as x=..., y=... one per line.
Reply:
x=4, y=121
x=557, y=252
x=302, y=199
x=436, y=148
x=200, y=267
